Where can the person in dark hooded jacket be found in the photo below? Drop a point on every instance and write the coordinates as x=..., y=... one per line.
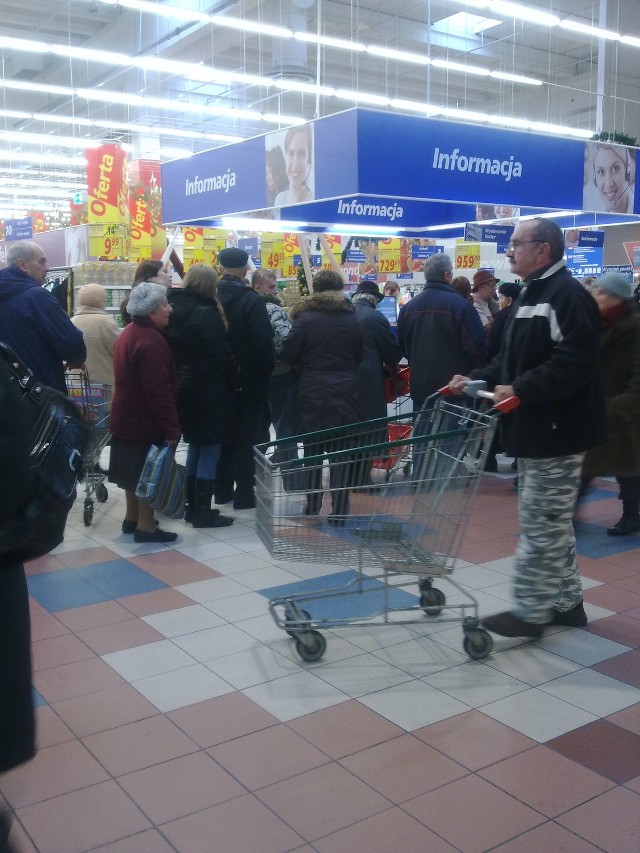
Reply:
x=325, y=347
x=208, y=381
x=32, y=321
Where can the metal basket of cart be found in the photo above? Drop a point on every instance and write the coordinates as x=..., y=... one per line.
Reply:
x=94, y=401
x=405, y=533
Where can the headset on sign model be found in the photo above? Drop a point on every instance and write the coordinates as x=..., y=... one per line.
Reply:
x=627, y=171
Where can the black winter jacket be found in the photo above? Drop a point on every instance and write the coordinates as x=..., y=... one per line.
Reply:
x=325, y=346
x=380, y=348
x=550, y=354
x=208, y=374
x=250, y=334
x=441, y=334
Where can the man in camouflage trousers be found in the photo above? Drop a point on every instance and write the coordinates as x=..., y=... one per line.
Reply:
x=549, y=358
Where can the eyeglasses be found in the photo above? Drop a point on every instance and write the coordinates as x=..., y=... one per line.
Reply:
x=515, y=244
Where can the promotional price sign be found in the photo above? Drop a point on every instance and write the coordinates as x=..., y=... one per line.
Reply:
x=272, y=251
x=292, y=255
x=108, y=241
x=389, y=260
x=467, y=256
x=214, y=240
x=148, y=237
x=193, y=247
x=107, y=198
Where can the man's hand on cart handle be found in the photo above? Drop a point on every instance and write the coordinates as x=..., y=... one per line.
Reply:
x=503, y=397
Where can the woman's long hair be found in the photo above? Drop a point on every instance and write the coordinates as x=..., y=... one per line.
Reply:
x=204, y=281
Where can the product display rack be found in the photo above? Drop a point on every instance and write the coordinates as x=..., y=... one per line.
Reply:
x=115, y=276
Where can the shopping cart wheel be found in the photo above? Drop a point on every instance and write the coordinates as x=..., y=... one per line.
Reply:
x=432, y=601
x=477, y=644
x=311, y=645
x=290, y=617
x=102, y=494
x=87, y=515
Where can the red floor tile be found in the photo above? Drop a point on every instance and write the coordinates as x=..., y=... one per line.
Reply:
x=546, y=781
x=624, y=667
x=75, y=679
x=483, y=552
x=87, y=557
x=50, y=729
x=43, y=626
x=389, y=830
x=611, y=821
x=155, y=602
x=628, y=718
x=602, y=570
x=267, y=756
x=474, y=740
x=611, y=597
x=344, y=729
x=138, y=745
x=94, y=615
x=104, y=709
x=465, y=814
x=321, y=801
x=148, y=841
x=619, y=628
x=396, y=768
x=48, y=563
x=174, y=568
x=221, y=719
x=55, y=770
x=242, y=825
x=180, y=787
x=56, y=651
x=121, y=635
x=631, y=583
x=605, y=748
x=82, y=820
x=548, y=838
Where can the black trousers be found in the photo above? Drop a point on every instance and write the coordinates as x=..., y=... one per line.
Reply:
x=236, y=458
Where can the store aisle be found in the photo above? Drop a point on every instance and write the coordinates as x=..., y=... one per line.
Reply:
x=174, y=715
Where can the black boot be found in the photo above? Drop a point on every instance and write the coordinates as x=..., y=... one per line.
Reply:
x=203, y=515
x=190, y=493
x=627, y=524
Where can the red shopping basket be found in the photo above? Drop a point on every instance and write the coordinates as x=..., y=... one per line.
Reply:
x=396, y=385
x=397, y=432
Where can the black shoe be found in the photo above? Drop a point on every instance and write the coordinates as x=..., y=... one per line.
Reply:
x=210, y=518
x=244, y=502
x=156, y=535
x=573, y=618
x=509, y=625
x=223, y=497
x=337, y=520
x=491, y=465
x=627, y=524
x=130, y=526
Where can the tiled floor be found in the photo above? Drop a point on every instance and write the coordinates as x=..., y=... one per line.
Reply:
x=174, y=715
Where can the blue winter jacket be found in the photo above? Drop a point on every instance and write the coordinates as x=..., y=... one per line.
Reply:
x=36, y=327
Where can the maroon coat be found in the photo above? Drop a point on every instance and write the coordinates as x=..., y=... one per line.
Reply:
x=144, y=407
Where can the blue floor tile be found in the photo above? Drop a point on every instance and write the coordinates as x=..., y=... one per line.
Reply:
x=37, y=698
x=90, y=585
x=592, y=541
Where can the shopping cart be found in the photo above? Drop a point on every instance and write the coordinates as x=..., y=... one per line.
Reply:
x=94, y=401
x=391, y=537
x=396, y=389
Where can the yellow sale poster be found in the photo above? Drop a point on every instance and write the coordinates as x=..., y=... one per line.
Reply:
x=467, y=256
x=389, y=260
x=272, y=251
x=107, y=201
x=214, y=240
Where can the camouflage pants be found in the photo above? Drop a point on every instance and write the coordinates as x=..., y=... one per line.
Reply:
x=546, y=571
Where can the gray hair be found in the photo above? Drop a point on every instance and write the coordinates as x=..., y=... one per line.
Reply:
x=145, y=298
x=437, y=266
x=22, y=250
x=547, y=231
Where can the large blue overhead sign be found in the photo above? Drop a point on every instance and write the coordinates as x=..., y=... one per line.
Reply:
x=404, y=172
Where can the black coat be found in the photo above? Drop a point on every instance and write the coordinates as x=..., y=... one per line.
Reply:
x=380, y=347
x=208, y=373
x=17, y=725
x=325, y=346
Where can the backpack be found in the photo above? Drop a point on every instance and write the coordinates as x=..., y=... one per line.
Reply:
x=58, y=440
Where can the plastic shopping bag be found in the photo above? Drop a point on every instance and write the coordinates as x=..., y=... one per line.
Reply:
x=161, y=483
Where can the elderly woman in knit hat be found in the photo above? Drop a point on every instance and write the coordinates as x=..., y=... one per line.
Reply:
x=100, y=332
x=620, y=357
x=144, y=407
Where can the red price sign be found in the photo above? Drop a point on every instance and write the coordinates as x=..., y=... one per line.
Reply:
x=467, y=256
x=274, y=260
x=389, y=265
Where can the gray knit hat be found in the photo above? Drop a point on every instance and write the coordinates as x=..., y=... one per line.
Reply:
x=145, y=298
x=616, y=284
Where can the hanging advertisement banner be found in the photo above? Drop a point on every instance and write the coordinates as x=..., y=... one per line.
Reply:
x=18, y=229
x=214, y=240
x=498, y=234
x=38, y=220
x=633, y=253
x=193, y=247
x=148, y=237
x=107, y=198
x=272, y=251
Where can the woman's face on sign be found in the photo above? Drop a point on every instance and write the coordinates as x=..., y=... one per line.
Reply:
x=609, y=170
x=298, y=160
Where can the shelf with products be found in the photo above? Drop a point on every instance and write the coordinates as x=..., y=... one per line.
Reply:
x=115, y=276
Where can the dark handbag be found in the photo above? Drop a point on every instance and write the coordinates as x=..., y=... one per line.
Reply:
x=162, y=482
x=58, y=440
